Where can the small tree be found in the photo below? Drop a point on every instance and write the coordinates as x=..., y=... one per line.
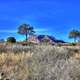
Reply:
x=11, y=40
x=74, y=34
x=79, y=36
x=25, y=29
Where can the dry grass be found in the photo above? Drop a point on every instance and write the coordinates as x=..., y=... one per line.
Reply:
x=14, y=58
x=76, y=56
x=55, y=63
x=41, y=63
x=14, y=65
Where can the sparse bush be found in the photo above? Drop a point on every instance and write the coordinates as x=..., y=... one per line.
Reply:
x=73, y=44
x=59, y=45
x=11, y=40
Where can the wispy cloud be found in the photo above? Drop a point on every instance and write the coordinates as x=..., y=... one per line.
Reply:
x=41, y=30
x=8, y=31
x=14, y=31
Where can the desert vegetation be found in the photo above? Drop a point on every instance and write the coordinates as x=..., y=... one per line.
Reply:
x=11, y=40
x=75, y=34
x=26, y=29
x=41, y=62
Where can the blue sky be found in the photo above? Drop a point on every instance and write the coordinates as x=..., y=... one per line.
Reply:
x=53, y=17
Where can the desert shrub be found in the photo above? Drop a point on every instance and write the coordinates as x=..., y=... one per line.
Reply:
x=11, y=40
x=3, y=50
x=73, y=44
x=59, y=45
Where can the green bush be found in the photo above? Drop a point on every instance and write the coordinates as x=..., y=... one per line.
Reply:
x=73, y=44
x=11, y=40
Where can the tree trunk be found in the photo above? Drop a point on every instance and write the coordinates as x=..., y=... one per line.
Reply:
x=79, y=39
x=26, y=37
x=74, y=40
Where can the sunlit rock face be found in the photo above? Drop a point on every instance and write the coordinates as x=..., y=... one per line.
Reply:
x=44, y=38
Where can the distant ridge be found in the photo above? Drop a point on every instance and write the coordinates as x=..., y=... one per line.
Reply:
x=40, y=37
